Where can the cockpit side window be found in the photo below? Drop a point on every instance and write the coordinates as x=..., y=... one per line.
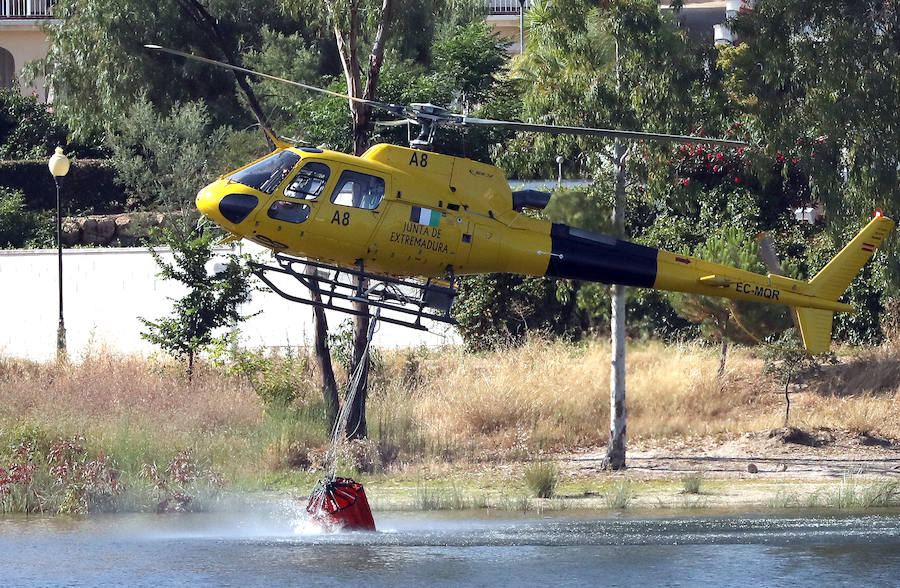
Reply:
x=309, y=181
x=358, y=190
x=267, y=174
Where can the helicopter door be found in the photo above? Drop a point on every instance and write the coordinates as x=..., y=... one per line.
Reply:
x=283, y=223
x=351, y=214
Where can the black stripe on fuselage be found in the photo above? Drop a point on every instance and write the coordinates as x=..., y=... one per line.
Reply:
x=583, y=255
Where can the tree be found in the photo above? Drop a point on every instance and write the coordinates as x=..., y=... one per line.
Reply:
x=98, y=66
x=817, y=82
x=497, y=310
x=27, y=128
x=360, y=27
x=212, y=301
x=161, y=159
x=723, y=320
x=604, y=63
x=790, y=364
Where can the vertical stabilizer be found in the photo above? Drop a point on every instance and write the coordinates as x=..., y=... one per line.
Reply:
x=815, y=324
x=835, y=277
x=815, y=328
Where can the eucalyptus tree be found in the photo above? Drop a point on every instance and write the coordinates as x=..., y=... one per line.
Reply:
x=361, y=30
x=98, y=66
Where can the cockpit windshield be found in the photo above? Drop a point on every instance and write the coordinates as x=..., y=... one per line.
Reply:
x=267, y=174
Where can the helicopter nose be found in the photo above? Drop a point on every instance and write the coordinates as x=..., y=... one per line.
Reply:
x=207, y=203
x=233, y=208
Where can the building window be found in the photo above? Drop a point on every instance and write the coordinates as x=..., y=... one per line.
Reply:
x=7, y=69
x=358, y=190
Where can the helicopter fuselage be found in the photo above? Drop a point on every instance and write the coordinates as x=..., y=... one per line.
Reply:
x=405, y=212
x=400, y=211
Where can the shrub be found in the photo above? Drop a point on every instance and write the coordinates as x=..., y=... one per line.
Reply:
x=541, y=478
x=180, y=483
x=89, y=185
x=27, y=128
x=692, y=482
x=17, y=225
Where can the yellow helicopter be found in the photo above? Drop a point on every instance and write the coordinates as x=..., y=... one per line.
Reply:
x=397, y=213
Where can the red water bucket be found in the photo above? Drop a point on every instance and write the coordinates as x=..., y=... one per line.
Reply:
x=341, y=503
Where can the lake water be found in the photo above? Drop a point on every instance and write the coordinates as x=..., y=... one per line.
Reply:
x=276, y=548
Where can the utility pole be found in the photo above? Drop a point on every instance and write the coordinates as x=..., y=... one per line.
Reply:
x=615, y=452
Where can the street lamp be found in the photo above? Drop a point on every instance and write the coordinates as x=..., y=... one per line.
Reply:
x=59, y=167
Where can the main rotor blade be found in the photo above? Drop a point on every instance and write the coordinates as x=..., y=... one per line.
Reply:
x=389, y=107
x=563, y=130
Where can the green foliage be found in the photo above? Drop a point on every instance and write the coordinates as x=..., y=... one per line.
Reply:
x=826, y=99
x=691, y=482
x=277, y=378
x=17, y=225
x=500, y=309
x=27, y=128
x=162, y=159
x=340, y=343
x=98, y=62
x=541, y=479
x=720, y=318
x=211, y=302
x=38, y=475
x=568, y=75
x=462, y=75
x=89, y=185
x=790, y=364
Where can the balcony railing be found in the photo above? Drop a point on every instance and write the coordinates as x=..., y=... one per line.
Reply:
x=10, y=9
x=501, y=7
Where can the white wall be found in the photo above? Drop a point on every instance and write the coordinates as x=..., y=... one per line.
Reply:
x=105, y=290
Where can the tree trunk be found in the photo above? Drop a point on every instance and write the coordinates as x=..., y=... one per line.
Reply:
x=190, y=367
x=348, y=50
x=323, y=357
x=723, y=357
x=615, y=453
x=787, y=398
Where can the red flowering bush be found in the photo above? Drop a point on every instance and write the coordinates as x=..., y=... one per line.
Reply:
x=179, y=483
x=59, y=478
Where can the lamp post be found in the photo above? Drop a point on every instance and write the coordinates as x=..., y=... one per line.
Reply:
x=59, y=167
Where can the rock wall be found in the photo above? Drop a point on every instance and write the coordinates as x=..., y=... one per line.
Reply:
x=122, y=230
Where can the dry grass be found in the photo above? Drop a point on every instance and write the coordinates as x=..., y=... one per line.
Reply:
x=542, y=397
x=553, y=395
x=124, y=388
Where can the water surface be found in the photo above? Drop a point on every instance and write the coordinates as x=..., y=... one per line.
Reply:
x=472, y=549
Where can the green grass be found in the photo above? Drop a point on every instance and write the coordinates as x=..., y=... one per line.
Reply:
x=541, y=479
x=621, y=494
x=691, y=483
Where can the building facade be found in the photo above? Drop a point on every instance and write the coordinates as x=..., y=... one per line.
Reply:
x=22, y=39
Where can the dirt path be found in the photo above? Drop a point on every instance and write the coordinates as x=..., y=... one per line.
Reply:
x=782, y=453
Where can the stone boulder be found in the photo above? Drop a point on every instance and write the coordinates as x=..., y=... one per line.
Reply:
x=97, y=230
x=71, y=232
